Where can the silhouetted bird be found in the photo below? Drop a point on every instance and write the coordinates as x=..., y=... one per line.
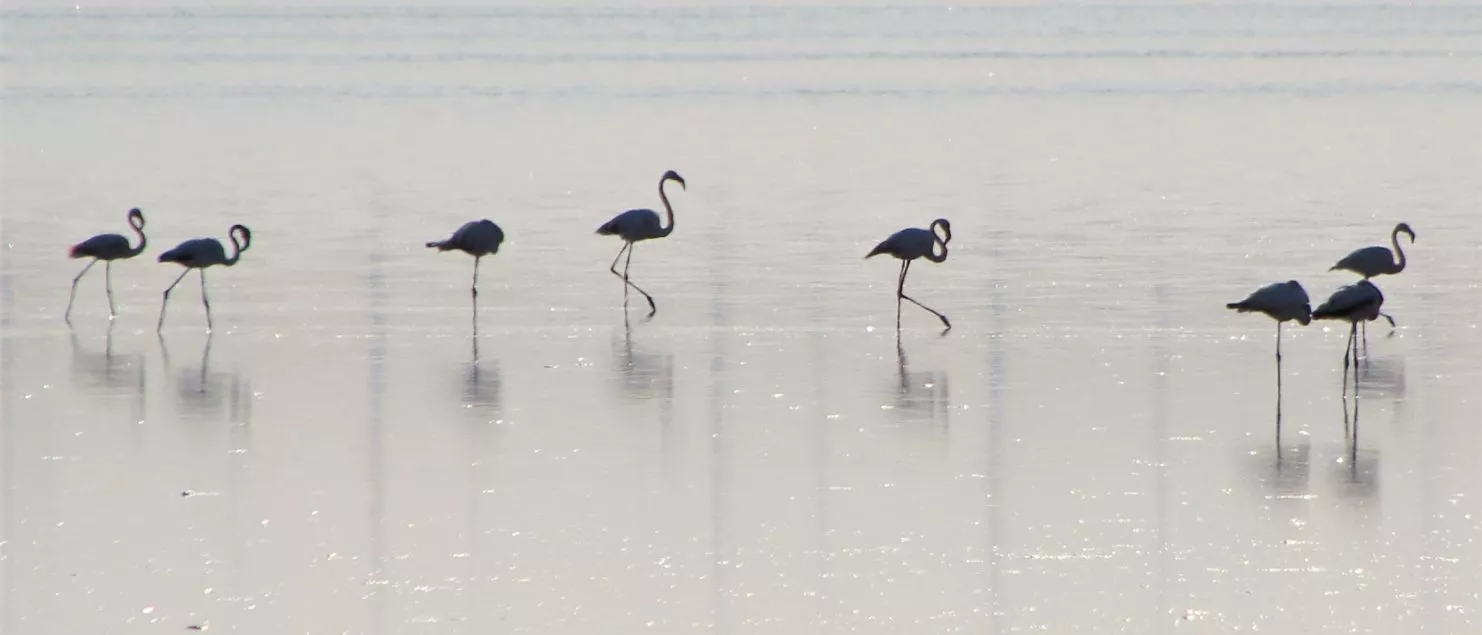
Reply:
x=108, y=248
x=910, y=244
x=199, y=253
x=477, y=238
x=640, y=224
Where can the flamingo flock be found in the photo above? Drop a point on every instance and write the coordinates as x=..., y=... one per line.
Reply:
x=1357, y=303
x=1283, y=302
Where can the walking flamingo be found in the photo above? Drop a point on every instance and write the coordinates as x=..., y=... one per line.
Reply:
x=910, y=244
x=1377, y=260
x=199, y=253
x=108, y=248
x=640, y=224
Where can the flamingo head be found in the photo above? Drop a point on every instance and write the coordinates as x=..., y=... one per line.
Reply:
x=1405, y=227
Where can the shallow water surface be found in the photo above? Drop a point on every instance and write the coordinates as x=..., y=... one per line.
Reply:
x=1091, y=448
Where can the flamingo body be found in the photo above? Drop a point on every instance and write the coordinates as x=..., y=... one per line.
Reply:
x=907, y=244
x=196, y=253
x=1358, y=302
x=1281, y=301
x=476, y=238
x=103, y=247
x=634, y=225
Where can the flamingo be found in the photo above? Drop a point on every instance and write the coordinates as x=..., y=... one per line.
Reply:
x=1377, y=260
x=640, y=224
x=108, y=248
x=199, y=253
x=909, y=244
x=1355, y=303
x=1281, y=301
x=477, y=238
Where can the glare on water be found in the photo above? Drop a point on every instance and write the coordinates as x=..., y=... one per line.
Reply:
x=1092, y=447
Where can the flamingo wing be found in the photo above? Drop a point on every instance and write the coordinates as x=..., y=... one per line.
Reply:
x=197, y=252
x=633, y=225
x=906, y=244
x=102, y=246
x=1355, y=301
x=1369, y=261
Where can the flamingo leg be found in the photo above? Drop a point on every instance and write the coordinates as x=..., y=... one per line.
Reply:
x=901, y=293
x=108, y=284
x=1278, y=347
x=1347, y=348
x=161, y=326
x=622, y=276
x=206, y=359
x=67, y=317
x=476, y=278
x=204, y=300
x=1278, y=390
x=1354, y=440
x=652, y=308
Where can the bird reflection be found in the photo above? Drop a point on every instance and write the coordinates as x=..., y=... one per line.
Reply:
x=106, y=370
x=1289, y=473
x=203, y=392
x=1386, y=375
x=644, y=375
x=923, y=394
x=110, y=373
x=1362, y=469
x=481, y=381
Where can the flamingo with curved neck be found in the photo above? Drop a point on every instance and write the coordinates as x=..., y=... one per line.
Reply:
x=909, y=244
x=200, y=253
x=108, y=248
x=640, y=224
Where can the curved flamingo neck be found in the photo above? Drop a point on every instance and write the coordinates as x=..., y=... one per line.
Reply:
x=939, y=240
x=1394, y=238
x=668, y=209
x=138, y=229
x=237, y=248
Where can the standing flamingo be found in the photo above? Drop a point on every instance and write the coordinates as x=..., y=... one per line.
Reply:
x=199, y=253
x=1355, y=303
x=108, y=248
x=640, y=224
x=910, y=244
x=1281, y=301
x=1378, y=259
x=477, y=238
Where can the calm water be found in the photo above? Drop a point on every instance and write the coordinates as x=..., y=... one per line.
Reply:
x=1091, y=449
